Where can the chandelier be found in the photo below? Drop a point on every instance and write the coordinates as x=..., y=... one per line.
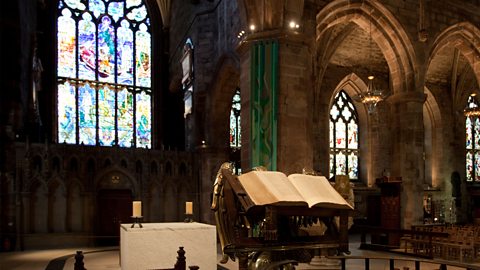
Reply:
x=371, y=97
x=472, y=109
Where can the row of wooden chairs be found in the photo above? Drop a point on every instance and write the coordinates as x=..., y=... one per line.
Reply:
x=449, y=242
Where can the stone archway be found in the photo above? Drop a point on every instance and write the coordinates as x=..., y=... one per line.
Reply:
x=386, y=31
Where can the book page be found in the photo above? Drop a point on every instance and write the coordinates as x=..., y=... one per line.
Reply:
x=267, y=187
x=317, y=190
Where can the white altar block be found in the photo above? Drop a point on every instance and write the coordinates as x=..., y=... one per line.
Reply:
x=155, y=245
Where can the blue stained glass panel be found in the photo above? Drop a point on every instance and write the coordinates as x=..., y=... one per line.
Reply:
x=125, y=54
x=137, y=14
x=66, y=45
x=87, y=43
x=353, y=166
x=75, y=4
x=235, y=131
x=87, y=121
x=97, y=7
x=477, y=133
x=477, y=166
x=106, y=50
x=125, y=118
x=143, y=120
x=143, y=59
x=115, y=9
x=106, y=116
x=67, y=113
x=468, y=133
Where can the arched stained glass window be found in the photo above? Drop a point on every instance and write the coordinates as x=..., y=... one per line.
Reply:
x=344, y=146
x=104, y=73
x=472, y=144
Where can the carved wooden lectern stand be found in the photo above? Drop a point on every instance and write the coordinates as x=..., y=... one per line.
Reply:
x=248, y=231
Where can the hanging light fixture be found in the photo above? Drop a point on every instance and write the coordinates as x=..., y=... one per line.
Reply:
x=472, y=109
x=373, y=95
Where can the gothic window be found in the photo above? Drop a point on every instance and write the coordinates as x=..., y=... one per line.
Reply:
x=235, y=132
x=344, y=154
x=235, y=139
x=472, y=144
x=104, y=73
x=187, y=79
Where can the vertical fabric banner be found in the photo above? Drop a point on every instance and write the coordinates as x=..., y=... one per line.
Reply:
x=264, y=104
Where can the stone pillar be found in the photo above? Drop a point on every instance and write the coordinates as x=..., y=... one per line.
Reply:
x=277, y=96
x=408, y=148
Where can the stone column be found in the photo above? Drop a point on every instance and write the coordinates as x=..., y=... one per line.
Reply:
x=277, y=96
x=408, y=147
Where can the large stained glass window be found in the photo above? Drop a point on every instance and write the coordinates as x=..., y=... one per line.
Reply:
x=472, y=144
x=104, y=73
x=344, y=155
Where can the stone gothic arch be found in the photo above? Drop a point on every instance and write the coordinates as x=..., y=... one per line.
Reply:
x=387, y=32
x=116, y=178
x=218, y=105
x=465, y=37
x=353, y=85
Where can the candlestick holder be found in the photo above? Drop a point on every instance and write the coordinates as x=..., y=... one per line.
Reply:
x=137, y=220
x=188, y=218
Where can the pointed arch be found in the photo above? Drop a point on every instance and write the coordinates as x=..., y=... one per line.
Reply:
x=218, y=105
x=464, y=36
x=103, y=179
x=387, y=32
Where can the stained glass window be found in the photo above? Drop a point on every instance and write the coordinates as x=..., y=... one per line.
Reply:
x=104, y=73
x=472, y=144
x=235, y=131
x=235, y=139
x=344, y=154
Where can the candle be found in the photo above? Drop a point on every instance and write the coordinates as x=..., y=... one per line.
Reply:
x=137, y=208
x=188, y=208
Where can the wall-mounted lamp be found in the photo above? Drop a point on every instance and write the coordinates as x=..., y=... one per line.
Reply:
x=293, y=25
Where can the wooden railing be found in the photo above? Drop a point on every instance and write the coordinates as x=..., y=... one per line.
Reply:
x=442, y=265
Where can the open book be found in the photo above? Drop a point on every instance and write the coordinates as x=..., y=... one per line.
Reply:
x=271, y=187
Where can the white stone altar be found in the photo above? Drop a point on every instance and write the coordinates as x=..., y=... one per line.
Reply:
x=155, y=245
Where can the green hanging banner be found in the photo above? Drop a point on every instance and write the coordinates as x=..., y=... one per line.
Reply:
x=264, y=104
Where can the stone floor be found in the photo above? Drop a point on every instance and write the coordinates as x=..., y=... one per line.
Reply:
x=108, y=258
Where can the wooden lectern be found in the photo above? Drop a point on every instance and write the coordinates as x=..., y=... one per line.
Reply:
x=247, y=230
